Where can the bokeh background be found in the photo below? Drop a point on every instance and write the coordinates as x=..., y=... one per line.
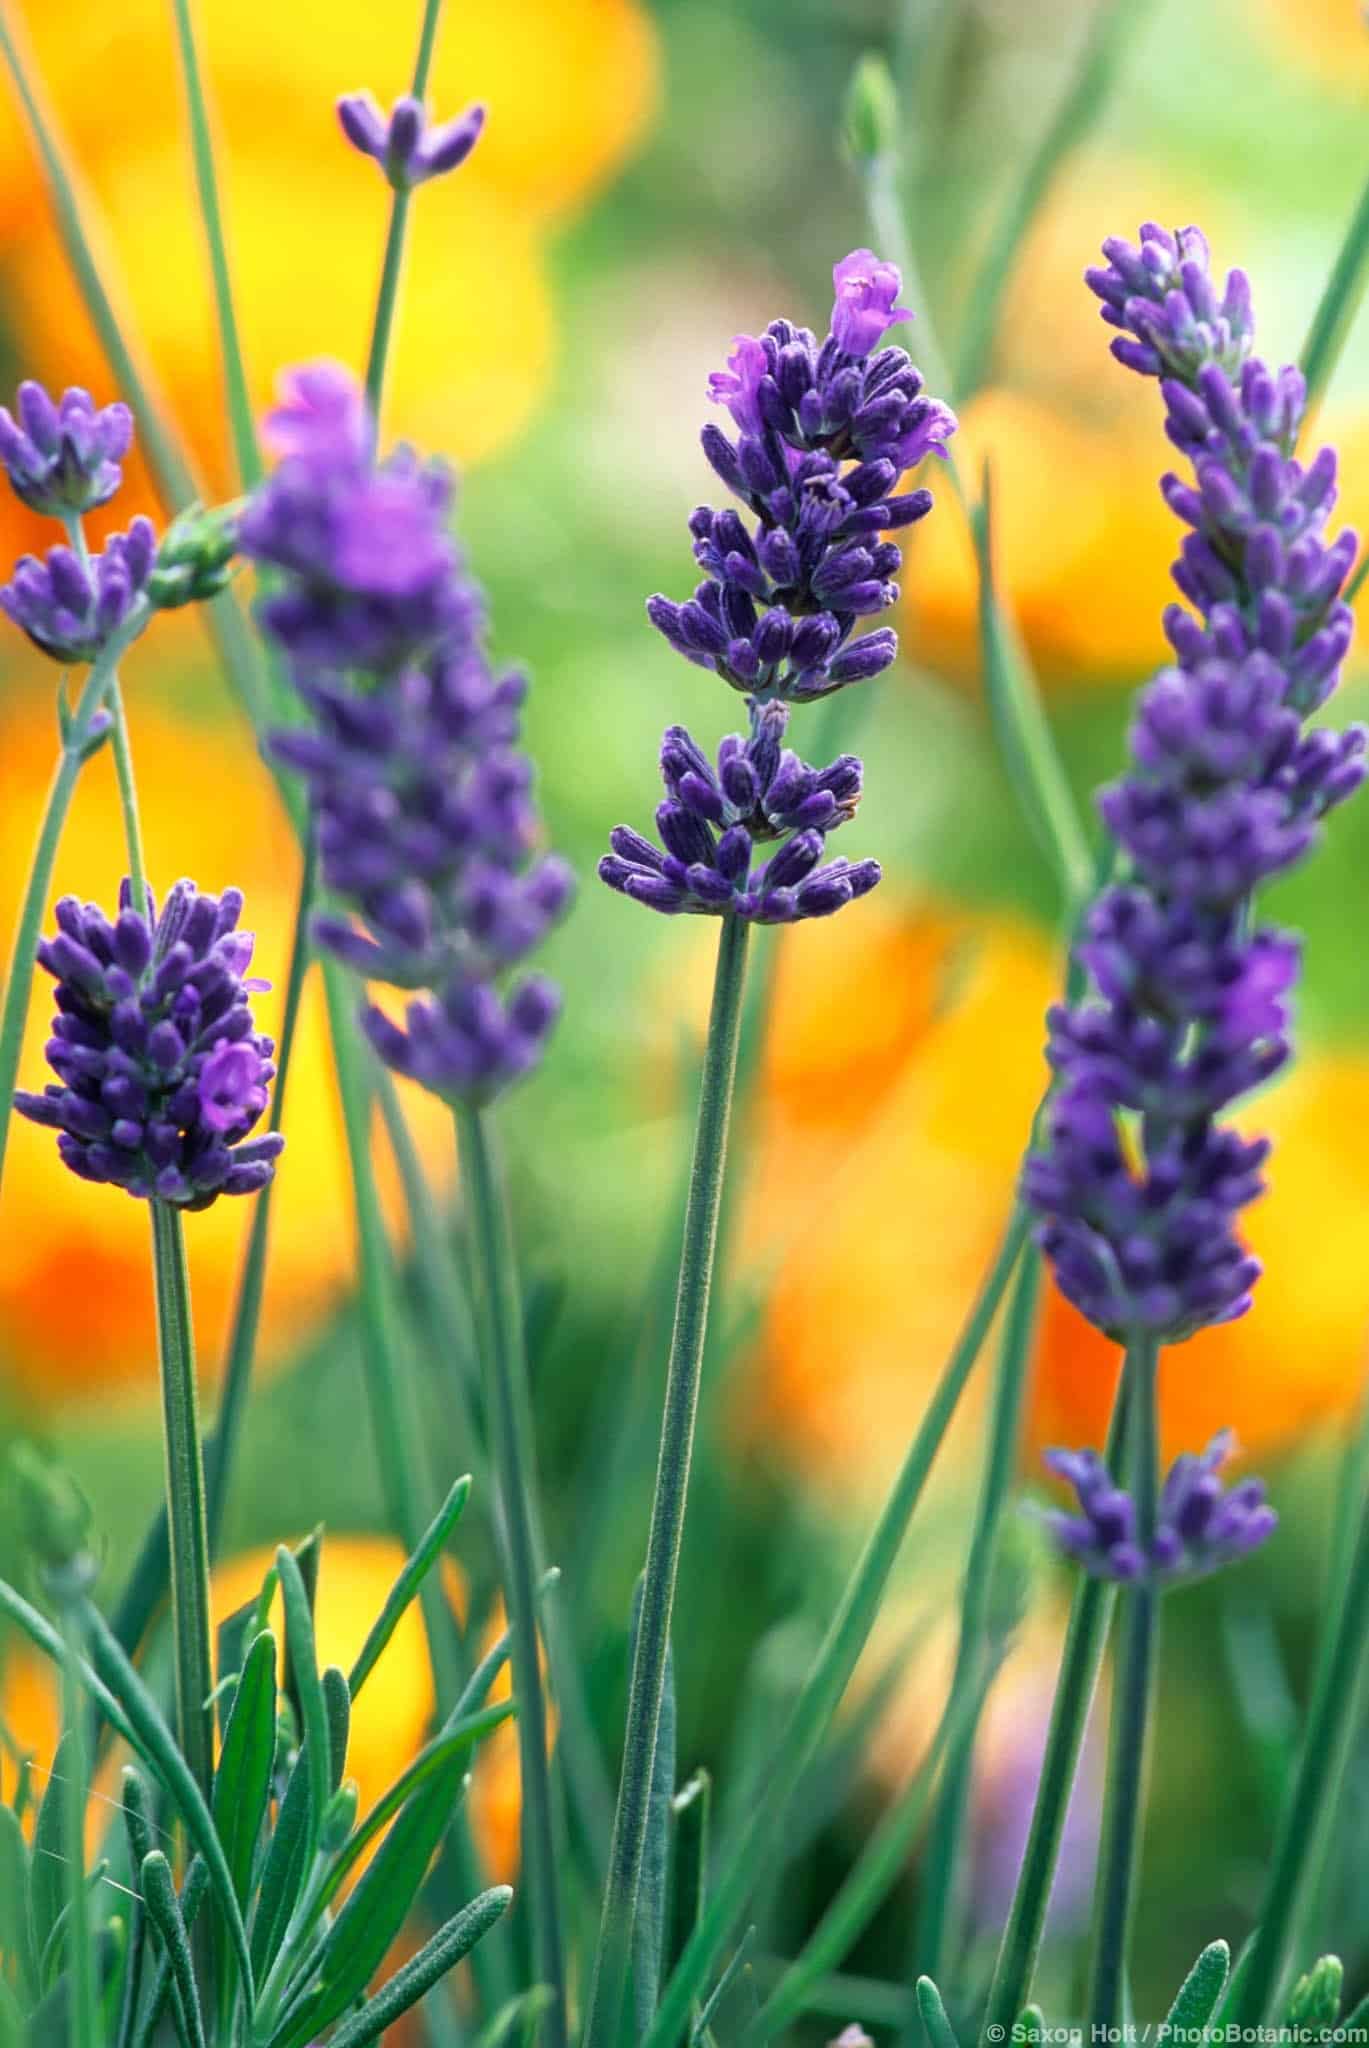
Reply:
x=656, y=175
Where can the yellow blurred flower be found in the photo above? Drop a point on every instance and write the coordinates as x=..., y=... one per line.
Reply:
x=1329, y=38
x=76, y=1310
x=867, y=1296
x=570, y=85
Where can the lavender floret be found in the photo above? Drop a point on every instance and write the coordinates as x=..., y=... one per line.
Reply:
x=72, y=608
x=1200, y=1525
x=64, y=457
x=713, y=819
x=161, y=1073
x=408, y=148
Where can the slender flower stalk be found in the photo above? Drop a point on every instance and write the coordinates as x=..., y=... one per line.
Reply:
x=1119, y=1856
x=211, y=214
x=189, y=1537
x=672, y=1485
x=502, y=1319
x=1081, y=1658
x=945, y=1846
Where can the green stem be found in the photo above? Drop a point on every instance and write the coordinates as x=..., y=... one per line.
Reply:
x=395, y=1421
x=14, y=1014
x=1336, y=307
x=184, y=1497
x=387, y=300
x=393, y=263
x=942, y=1867
x=1085, y=97
x=830, y=1673
x=1120, y=1849
x=672, y=1484
x=1316, y=1787
x=211, y=214
x=1079, y=1664
x=128, y=796
x=85, y=2029
x=506, y=1370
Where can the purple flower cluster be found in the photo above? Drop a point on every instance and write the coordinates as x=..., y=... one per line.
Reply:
x=421, y=800
x=1199, y=1526
x=72, y=608
x=63, y=457
x=825, y=431
x=1189, y=1004
x=712, y=819
x=406, y=146
x=161, y=1073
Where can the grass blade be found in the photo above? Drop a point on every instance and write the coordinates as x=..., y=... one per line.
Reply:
x=1337, y=306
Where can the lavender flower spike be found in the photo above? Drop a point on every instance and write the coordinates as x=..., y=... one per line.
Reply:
x=407, y=149
x=63, y=458
x=367, y=566
x=72, y=609
x=712, y=820
x=1200, y=1525
x=422, y=803
x=161, y=1073
x=825, y=432
x=1190, y=1002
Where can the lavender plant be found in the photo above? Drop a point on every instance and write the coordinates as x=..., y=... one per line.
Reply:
x=1137, y=1182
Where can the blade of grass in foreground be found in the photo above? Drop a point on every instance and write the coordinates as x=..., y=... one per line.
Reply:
x=836, y=1660
x=1337, y=306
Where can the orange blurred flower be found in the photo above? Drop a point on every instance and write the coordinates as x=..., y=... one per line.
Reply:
x=76, y=1309
x=916, y=1178
x=1330, y=38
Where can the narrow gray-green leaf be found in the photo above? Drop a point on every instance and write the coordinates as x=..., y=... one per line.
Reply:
x=454, y=1744
x=283, y=1872
x=418, y=1976
x=299, y=1639
x=940, y=2032
x=242, y=1782
x=689, y=1878
x=1031, y=2024
x=15, y=1937
x=337, y=1708
x=720, y=1989
x=1198, y=1994
x=375, y=1912
x=164, y=1911
x=154, y=1743
x=48, y=1878
x=415, y=1570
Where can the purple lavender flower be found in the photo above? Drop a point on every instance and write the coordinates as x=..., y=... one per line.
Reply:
x=825, y=431
x=406, y=147
x=712, y=819
x=63, y=458
x=161, y=1073
x=428, y=834
x=71, y=608
x=1200, y=1525
x=368, y=570
x=1190, y=1005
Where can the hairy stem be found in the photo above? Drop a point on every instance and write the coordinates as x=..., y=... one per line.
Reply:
x=672, y=1483
x=1120, y=1850
x=184, y=1497
x=506, y=1374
